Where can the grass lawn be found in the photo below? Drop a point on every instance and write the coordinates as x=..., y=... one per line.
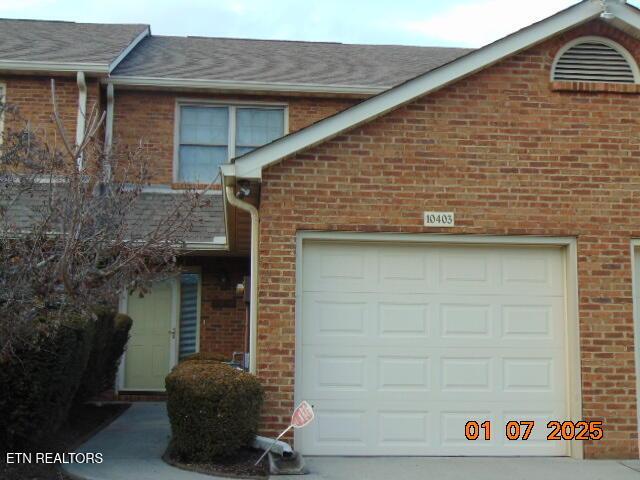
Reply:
x=84, y=421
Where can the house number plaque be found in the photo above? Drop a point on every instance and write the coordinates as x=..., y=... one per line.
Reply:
x=439, y=219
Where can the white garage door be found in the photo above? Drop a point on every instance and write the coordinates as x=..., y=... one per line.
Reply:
x=400, y=345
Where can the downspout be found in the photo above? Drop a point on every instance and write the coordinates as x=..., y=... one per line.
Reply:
x=108, y=132
x=82, y=111
x=253, y=299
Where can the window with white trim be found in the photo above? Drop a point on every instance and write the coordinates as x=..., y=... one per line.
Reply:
x=210, y=135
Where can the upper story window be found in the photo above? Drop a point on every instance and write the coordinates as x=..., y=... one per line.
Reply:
x=209, y=135
x=594, y=59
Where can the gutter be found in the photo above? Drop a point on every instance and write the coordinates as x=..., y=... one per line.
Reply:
x=243, y=86
x=63, y=67
x=108, y=133
x=253, y=301
x=269, y=444
x=82, y=112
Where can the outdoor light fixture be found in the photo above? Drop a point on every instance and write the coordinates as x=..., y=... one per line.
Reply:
x=244, y=189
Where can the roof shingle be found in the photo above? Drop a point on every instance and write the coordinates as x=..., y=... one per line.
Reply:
x=290, y=62
x=149, y=210
x=65, y=42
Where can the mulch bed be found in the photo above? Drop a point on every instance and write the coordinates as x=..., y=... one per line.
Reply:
x=84, y=422
x=240, y=465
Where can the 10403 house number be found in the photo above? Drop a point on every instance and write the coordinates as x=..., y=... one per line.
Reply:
x=439, y=219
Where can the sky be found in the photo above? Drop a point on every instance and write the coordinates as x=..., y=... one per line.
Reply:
x=464, y=23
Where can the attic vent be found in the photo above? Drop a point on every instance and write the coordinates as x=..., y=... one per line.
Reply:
x=594, y=59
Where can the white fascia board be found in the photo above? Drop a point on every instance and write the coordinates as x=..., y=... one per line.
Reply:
x=228, y=170
x=251, y=164
x=65, y=67
x=623, y=13
x=243, y=86
x=216, y=245
x=145, y=33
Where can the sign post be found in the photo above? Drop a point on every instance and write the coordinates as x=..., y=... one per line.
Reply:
x=302, y=416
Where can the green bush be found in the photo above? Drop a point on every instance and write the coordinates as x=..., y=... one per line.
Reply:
x=39, y=381
x=213, y=408
x=109, y=341
x=206, y=357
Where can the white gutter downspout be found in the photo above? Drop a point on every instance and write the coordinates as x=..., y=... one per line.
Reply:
x=108, y=132
x=253, y=305
x=82, y=111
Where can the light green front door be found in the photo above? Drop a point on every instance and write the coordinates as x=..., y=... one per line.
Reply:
x=149, y=356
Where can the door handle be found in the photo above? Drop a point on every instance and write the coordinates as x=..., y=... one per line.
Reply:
x=172, y=332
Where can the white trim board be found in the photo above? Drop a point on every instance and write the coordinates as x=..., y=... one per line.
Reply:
x=243, y=86
x=134, y=43
x=635, y=245
x=62, y=67
x=250, y=165
x=569, y=244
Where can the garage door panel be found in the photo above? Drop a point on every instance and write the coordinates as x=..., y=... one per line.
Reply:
x=403, y=373
x=515, y=375
x=405, y=428
x=412, y=269
x=411, y=428
x=539, y=271
x=403, y=319
x=340, y=427
x=429, y=319
x=539, y=430
x=348, y=269
x=336, y=316
x=404, y=345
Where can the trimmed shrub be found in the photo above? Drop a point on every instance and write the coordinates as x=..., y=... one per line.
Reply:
x=206, y=357
x=213, y=408
x=109, y=341
x=39, y=382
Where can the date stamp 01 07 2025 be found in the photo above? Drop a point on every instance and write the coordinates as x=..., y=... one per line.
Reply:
x=521, y=430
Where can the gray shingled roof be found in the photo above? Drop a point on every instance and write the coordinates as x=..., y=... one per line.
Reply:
x=148, y=211
x=227, y=59
x=207, y=221
x=67, y=42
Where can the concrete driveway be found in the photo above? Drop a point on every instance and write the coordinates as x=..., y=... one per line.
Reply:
x=133, y=444
x=461, y=468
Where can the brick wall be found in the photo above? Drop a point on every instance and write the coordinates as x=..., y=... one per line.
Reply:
x=222, y=316
x=148, y=117
x=510, y=156
x=32, y=96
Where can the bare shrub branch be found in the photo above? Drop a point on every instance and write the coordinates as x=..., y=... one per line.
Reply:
x=69, y=238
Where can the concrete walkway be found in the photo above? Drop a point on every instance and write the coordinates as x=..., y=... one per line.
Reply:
x=132, y=447
x=465, y=468
x=133, y=444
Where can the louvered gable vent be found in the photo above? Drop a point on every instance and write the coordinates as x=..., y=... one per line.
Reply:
x=594, y=60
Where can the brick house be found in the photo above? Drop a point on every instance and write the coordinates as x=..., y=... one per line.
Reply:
x=426, y=236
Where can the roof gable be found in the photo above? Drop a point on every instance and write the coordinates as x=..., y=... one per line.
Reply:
x=250, y=165
x=210, y=62
x=35, y=45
